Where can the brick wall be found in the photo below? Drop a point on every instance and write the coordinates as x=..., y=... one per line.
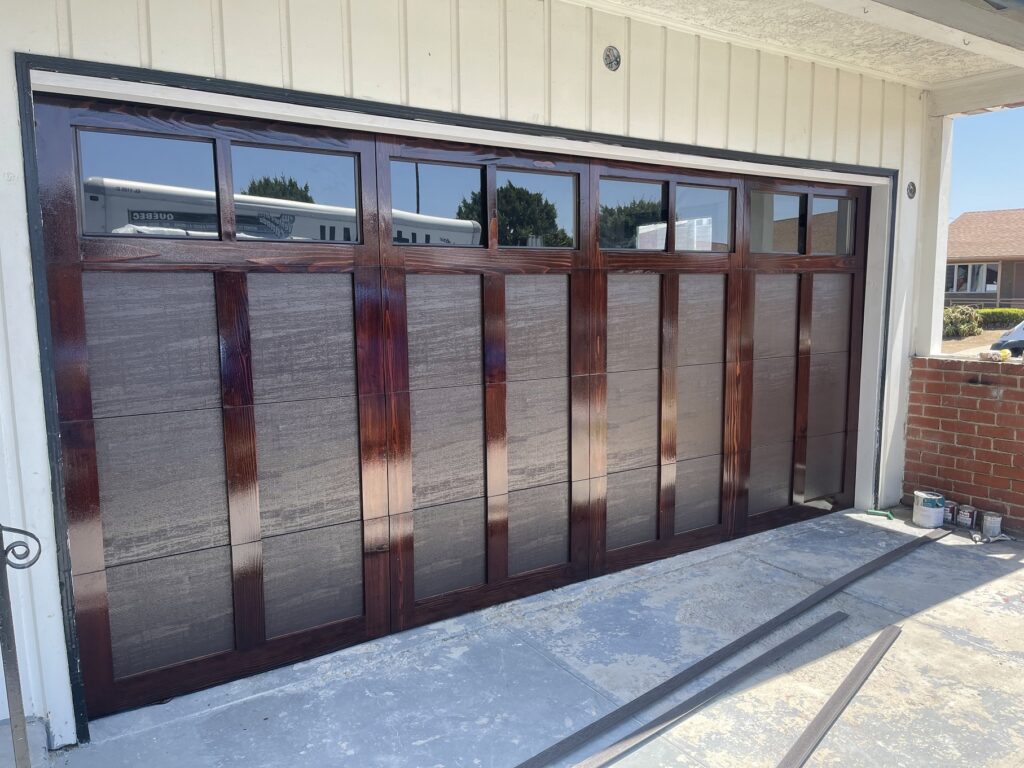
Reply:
x=965, y=434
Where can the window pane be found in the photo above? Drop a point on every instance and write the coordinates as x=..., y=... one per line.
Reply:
x=433, y=204
x=147, y=186
x=991, y=278
x=949, y=279
x=536, y=210
x=284, y=194
x=776, y=222
x=632, y=215
x=961, y=278
x=975, y=285
x=703, y=219
x=832, y=226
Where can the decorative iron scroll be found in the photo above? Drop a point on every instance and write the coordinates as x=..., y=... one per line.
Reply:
x=21, y=554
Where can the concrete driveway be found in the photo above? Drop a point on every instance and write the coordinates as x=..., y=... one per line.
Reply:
x=494, y=687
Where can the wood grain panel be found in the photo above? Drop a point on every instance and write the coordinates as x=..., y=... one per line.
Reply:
x=445, y=331
x=698, y=493
x=633, y=418
x=632, y=507
x=699, y=406
x=830, y=313
x=538, y=527
x=152, y=342
x=537, y=323
x=633, y=322
x=170, y=610
x=538, y=432
x=447, y=444
x=775, y=315
x=302, y=334
x=162, y=484
x=825, y=457
x=312, y=577
x=308, y=463
x=701, y=319
x=826, y=412
x=772, y=419
x=449, y=547
x=771, y=469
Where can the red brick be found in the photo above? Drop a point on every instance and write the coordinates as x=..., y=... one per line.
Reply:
x=970, y=465
x=938, y=412
x=977, y=417
x=940, y=459
x=974, y=441
x=945, y=364
x=996, y=431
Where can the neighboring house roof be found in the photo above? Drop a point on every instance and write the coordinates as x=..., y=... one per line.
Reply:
x=981, y=235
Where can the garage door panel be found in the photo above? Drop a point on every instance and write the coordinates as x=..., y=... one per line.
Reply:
x=701, y=336
x=775, y=315
x=538, y=527
x=632, y=507
x=162, y=484
x=447, y=445
x=312, y=577
x=633, y=401
x=774, y=400
x=450, y=547
x=152, y=342
x=634, y=314
x=308, y=463
x=538, y=432
x=825, y=464
x=826, y=409
x=698, y=493
x=169, y=610
x=537, y=327
x=302, y=336
x=832, y=296
x=445, y=330
x=699, y=410
x=771, y=472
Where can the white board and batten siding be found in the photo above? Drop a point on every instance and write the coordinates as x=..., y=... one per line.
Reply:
x=537, y=61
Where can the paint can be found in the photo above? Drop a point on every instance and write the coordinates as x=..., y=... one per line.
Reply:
x=991, y=524
x=949, y=513
x=967, y=516
x=928, y=509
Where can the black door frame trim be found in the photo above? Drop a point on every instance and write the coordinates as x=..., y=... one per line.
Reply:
x=26, y=63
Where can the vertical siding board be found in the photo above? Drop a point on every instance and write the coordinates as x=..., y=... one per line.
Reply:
x=847, y=117
x=713, y=93
x=376, y=61
x=570, y=52
x=252, y=41
x=771, y=104
x=316, y=31
x=168, y=50
x=608, y=89
x=479, y=71
x=743, y=99
x=798, y=108
x=823, y=112
x=870, y=121
x=680, y=87
x=525, y=62
x=429, y=53
x=107, y=31
x=892, y=125
x=647, y=69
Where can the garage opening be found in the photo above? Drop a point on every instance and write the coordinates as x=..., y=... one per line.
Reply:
x=317, y=386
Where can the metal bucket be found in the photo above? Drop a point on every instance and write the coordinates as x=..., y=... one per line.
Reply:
x=991, y=524
x=928, y=509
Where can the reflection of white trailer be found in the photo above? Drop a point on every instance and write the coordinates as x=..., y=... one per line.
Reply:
x=125, y=207
x=691, y=235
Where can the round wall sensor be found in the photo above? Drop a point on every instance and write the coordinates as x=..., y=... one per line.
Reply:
x=911, y=190
x=612, y=58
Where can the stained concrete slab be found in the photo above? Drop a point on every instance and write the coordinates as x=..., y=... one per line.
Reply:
x=493, y=687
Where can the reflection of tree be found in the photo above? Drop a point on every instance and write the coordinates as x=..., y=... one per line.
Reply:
x=279, y=188
x=618, y=223
x=524, y=217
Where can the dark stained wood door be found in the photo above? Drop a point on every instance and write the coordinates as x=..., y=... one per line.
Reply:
x=315, y=386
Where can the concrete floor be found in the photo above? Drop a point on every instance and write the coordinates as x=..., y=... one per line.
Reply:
x=494, y=687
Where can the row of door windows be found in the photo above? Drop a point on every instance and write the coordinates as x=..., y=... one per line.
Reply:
x=148, y=186
x=972, y=278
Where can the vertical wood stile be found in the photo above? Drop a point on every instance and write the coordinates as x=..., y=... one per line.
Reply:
x=495, y=419
x=668, y=406
x=803, y=385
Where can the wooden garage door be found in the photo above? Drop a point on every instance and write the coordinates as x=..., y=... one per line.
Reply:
x=315, y=386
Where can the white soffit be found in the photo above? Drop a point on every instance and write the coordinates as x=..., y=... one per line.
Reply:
x=183, y=98
x=851, y=34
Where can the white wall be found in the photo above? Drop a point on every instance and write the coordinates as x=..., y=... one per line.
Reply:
x=531, y=60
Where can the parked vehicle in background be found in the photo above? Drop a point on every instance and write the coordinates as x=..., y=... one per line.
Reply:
x=1012, y=340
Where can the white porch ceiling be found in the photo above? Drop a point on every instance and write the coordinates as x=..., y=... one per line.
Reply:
x=811, y=29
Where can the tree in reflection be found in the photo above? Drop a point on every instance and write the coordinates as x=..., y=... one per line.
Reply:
x=279, y=188
x=618, y=223
x=525, y=218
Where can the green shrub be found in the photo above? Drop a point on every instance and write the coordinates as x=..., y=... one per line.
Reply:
x=960, y=321
x=1000, y=319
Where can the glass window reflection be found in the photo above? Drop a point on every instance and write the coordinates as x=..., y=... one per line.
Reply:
x=777, y=222
x=284, y=194
x=147, y=186
x=703, y=219
x=536, y=210
x=832, y=226
x=435, y=204
x=632, y=215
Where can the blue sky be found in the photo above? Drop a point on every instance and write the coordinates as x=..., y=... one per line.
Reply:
x=988, y=162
